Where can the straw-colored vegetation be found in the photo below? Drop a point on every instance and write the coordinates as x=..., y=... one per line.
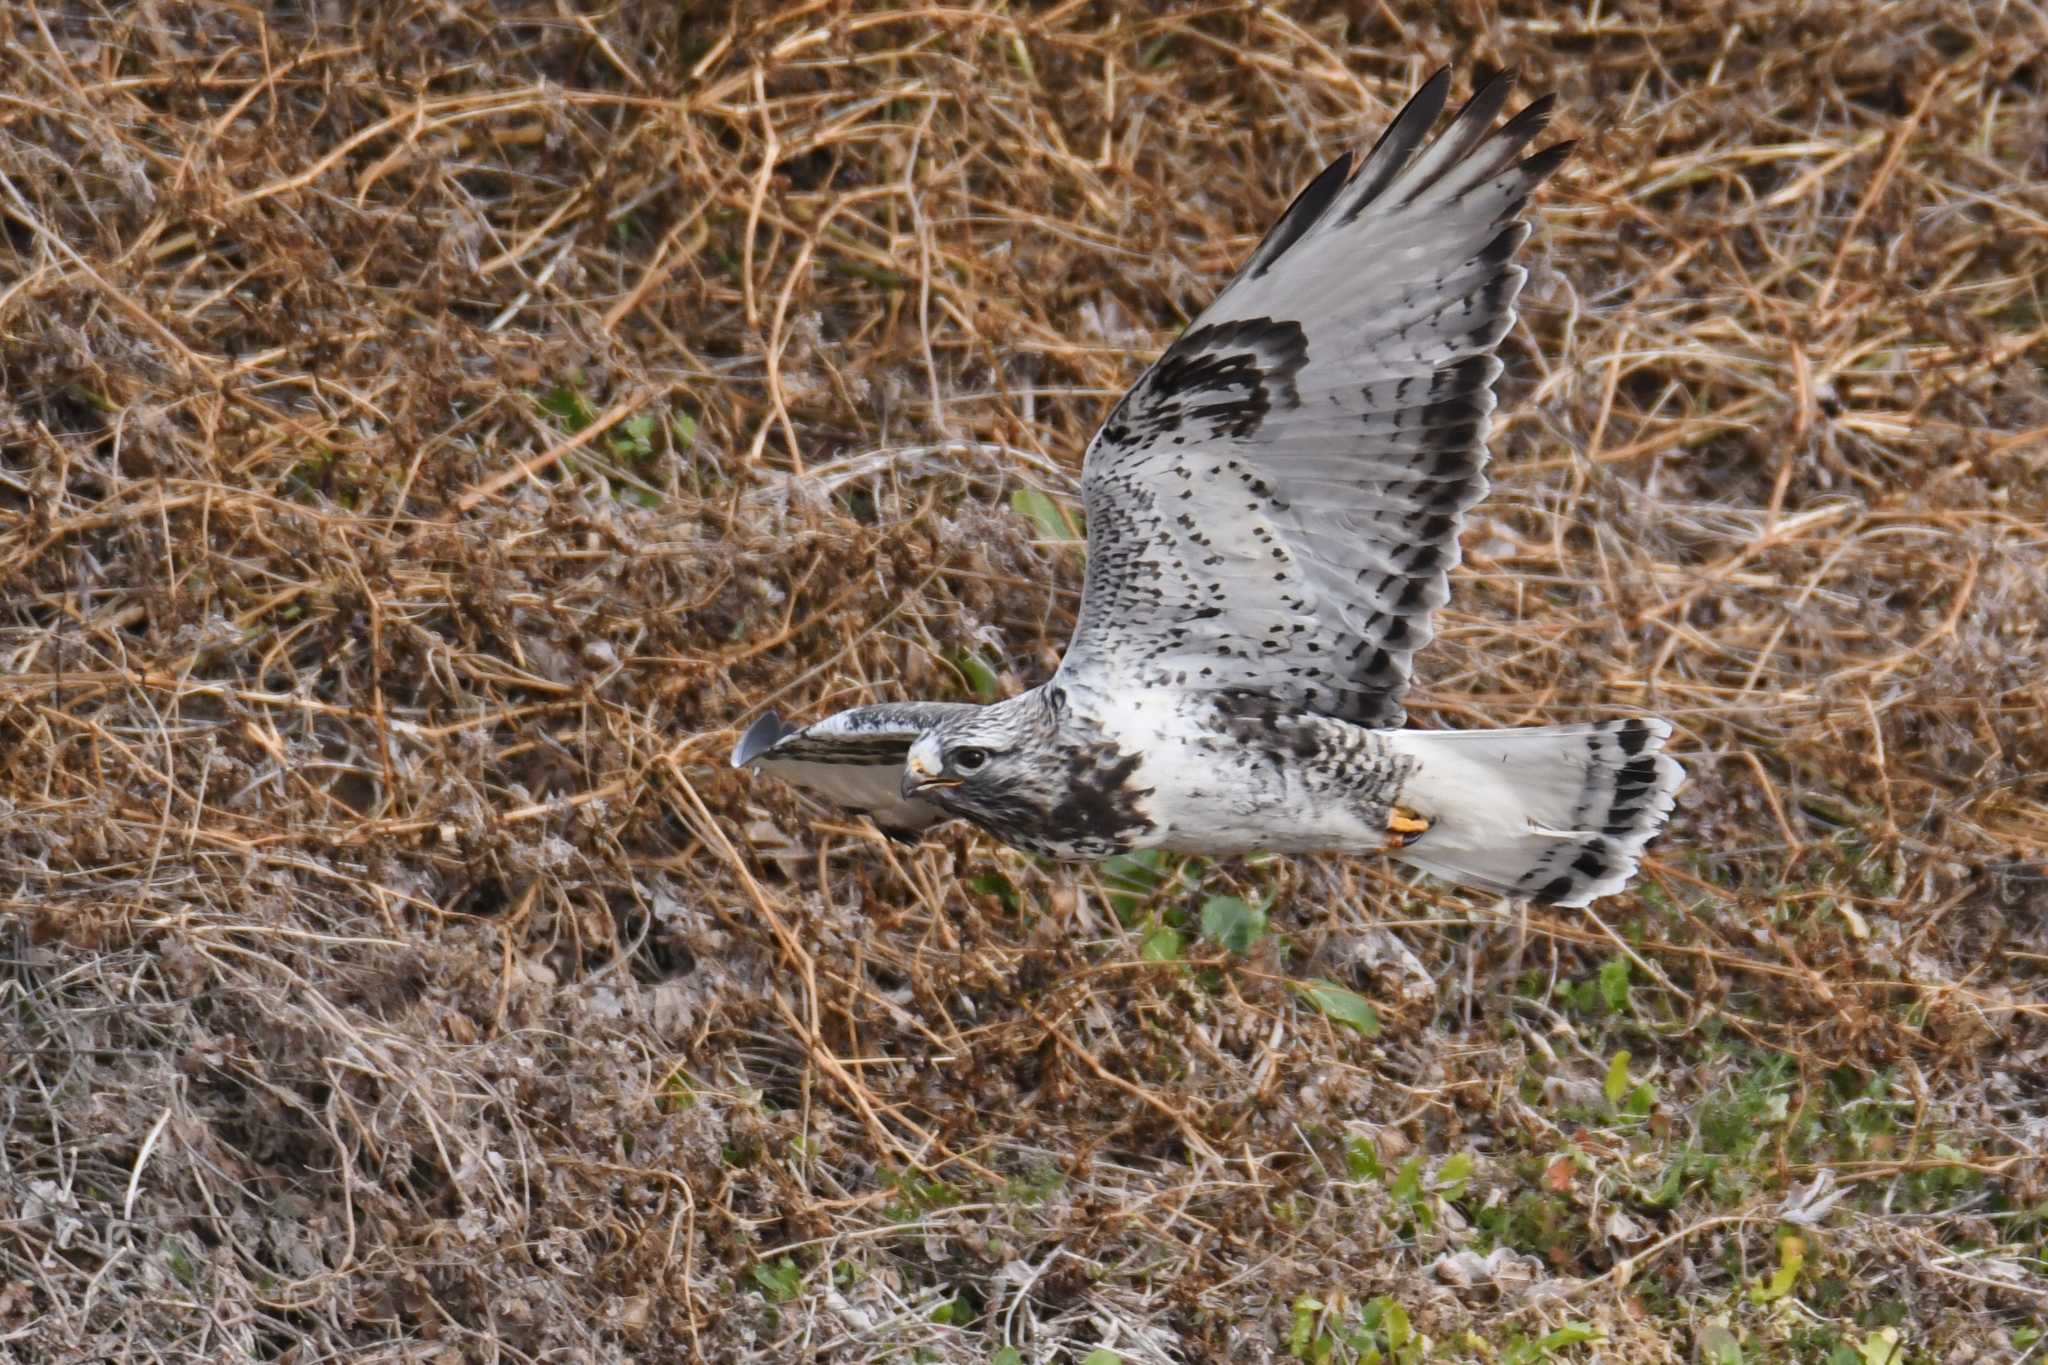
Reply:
x=427, y=431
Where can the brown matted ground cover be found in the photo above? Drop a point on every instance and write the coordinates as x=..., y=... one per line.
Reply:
x=427, y=431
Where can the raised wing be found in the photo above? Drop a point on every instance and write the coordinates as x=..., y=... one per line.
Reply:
x=1274, y=506
x=853, y=759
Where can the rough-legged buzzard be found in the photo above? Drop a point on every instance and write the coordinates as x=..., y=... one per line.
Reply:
x=1272, y=512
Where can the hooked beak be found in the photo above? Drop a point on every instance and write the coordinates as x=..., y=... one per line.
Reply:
x=919, y=775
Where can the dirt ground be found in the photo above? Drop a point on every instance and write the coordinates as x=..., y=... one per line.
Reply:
x=430, y=431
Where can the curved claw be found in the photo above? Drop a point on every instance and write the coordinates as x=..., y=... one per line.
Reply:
x=1405, y=826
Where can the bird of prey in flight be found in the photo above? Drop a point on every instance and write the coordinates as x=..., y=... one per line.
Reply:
x=1272, y=511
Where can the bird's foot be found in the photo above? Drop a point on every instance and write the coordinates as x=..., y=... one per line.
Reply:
x=1405, y=826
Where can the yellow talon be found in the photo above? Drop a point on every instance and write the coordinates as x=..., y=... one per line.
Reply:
x=1404, y=826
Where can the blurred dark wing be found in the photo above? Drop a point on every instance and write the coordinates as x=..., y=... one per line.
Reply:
x=1275, y=505
x=853, y=760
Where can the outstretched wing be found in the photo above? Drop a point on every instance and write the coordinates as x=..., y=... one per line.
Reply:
x=853, y=759
x=1275, y=505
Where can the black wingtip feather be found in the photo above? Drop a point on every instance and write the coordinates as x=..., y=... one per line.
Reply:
x=1501, y=249
x=1539, y=165
x=763, y=735
x=1398, y=143
x=1531, y=119
x=1489, y=94
x=1301, y=215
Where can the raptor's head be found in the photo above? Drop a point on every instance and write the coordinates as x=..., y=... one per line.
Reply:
x=1030, y=775
x=989, y=765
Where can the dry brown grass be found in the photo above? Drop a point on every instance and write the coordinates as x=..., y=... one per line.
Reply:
x=425, y=438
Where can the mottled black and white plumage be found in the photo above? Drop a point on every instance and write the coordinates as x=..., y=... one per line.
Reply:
x=1273, y=510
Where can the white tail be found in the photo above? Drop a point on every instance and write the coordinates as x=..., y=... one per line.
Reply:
x=1559, y=814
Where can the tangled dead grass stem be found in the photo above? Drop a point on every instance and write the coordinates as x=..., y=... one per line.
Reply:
x=428, y=433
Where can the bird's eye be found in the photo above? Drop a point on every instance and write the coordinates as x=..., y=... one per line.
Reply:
x=967, y=760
